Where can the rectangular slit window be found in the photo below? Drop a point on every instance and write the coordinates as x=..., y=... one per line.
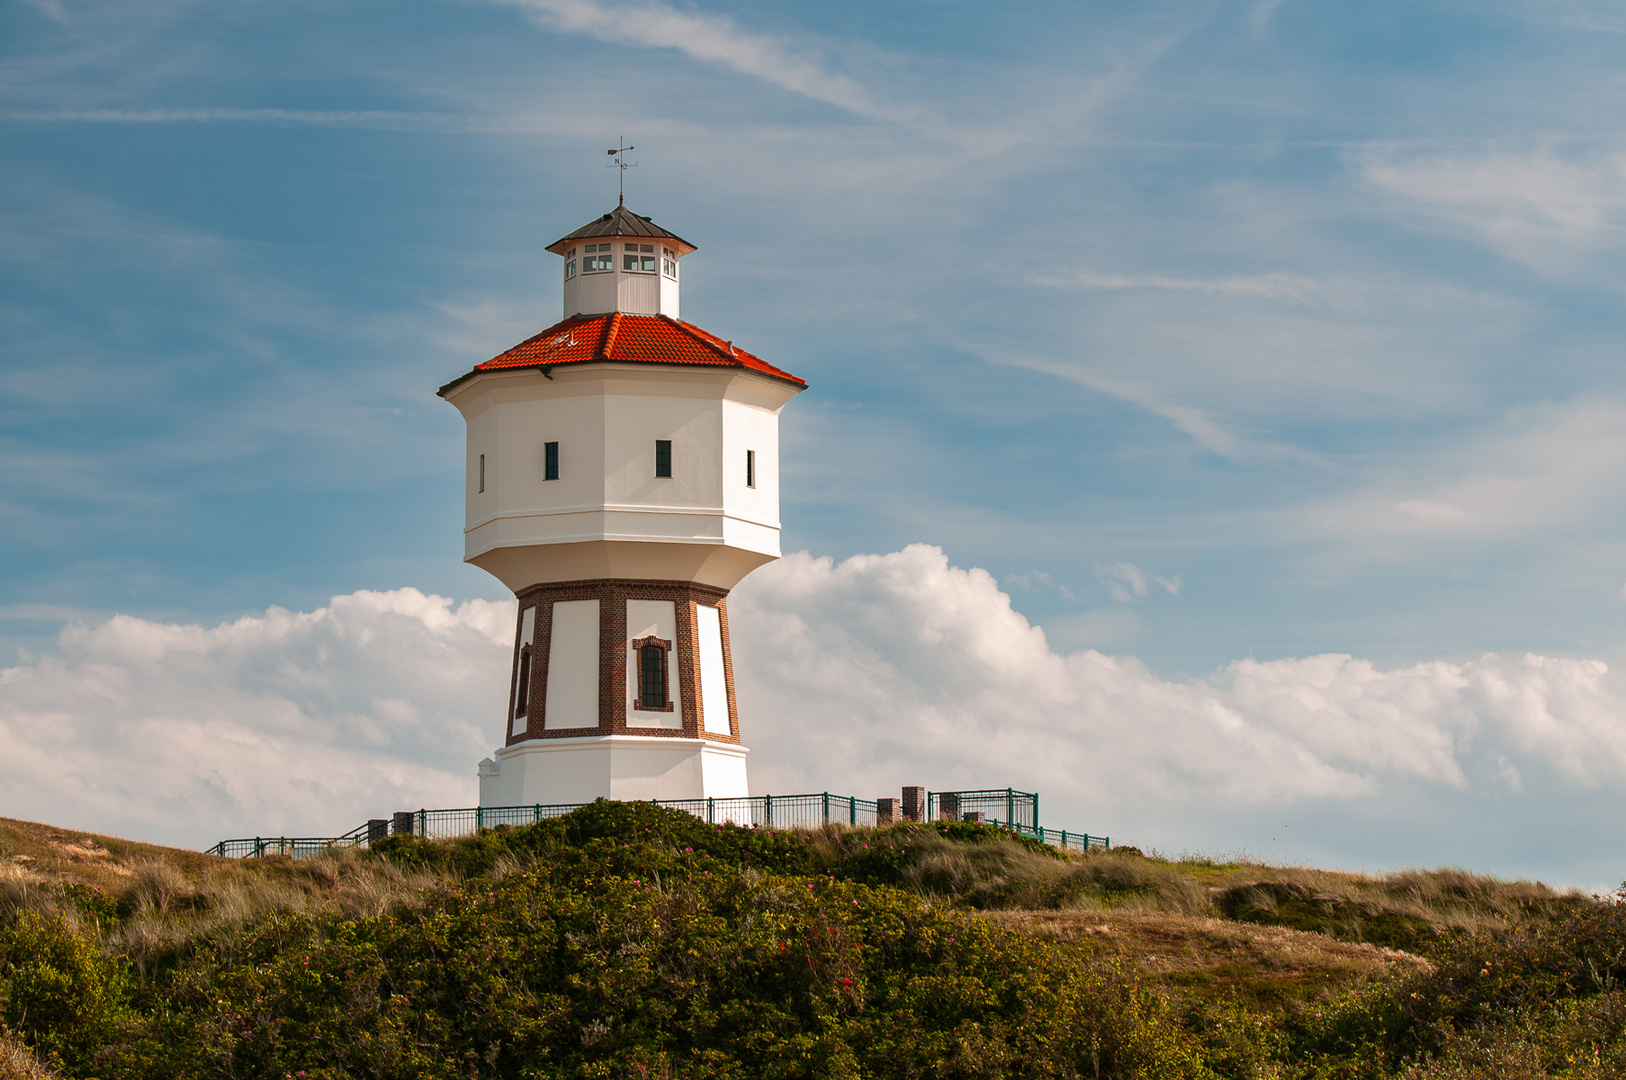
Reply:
x=652, y=676
x=663, y=457
x=750, y=468
x=550, y=461
x=482, y=472
x=522, y=692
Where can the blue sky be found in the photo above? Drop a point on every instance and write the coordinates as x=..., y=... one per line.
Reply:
x=1212, y=331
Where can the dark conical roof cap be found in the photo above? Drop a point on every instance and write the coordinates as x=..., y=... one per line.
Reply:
x=622, y=222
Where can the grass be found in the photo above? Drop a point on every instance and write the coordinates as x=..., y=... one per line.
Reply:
x=147, y=902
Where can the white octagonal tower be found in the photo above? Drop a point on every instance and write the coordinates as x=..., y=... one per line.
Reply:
x=623, y=476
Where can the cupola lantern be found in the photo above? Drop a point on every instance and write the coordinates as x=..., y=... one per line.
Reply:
x=621, y=262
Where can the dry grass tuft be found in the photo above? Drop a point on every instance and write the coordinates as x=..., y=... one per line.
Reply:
x=995, y=874
x=157, y=886
x=17, y=1061
x=1267, y=964
x=172, y=900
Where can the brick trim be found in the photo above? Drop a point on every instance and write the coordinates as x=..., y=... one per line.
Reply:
x=614, y=655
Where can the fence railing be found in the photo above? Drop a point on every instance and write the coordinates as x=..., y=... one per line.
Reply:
x=762, y=811
x=1062, y=838
x=1002, y=807
x=1004, y=804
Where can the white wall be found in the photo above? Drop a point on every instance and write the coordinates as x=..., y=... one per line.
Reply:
x=713, y=681
x=750, y=426
x=590, y=294
x=606, y=419
x=637, y=293
x=657, y=618
x=572, y=699
x=669, y=295
x=691, y=416
x=627, y=767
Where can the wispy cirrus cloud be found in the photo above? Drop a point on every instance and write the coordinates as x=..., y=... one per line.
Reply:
x=1550, y=467
x=1198, y=424
x=1127, y=582
x=1603, y=16
x=364, y=119
x=712, y=39
x=1264, y=286
x=1539, y=207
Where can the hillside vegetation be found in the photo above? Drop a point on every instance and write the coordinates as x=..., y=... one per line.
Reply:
x=630, y=941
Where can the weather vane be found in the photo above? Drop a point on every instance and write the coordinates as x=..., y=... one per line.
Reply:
x=620, y=162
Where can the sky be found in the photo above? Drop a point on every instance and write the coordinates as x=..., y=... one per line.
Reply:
x=1214, y=421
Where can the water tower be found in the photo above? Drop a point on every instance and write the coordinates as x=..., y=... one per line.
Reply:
x=623, y=476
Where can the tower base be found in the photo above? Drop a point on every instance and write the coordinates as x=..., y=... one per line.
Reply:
x=629, y=768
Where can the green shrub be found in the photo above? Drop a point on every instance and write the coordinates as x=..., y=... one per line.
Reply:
x=57, y=986
x=745, y=975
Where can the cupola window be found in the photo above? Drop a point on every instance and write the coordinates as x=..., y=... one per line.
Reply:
x=669, y=262
x=663, y=457
x=550, y=461
x=639, y=258
x=596, y=258
x=570, y=264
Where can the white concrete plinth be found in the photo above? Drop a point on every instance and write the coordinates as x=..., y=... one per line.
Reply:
x=628, y=768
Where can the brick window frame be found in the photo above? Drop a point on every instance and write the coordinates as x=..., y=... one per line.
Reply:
x=638, y=647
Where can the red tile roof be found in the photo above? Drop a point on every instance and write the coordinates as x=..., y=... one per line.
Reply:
x=623, y=338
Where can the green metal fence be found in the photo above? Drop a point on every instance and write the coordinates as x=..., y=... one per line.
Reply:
x=1014, y=810
x=1002, y=804
x=1062, y=838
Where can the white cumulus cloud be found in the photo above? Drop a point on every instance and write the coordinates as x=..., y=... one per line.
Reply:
x=891, y=669
x=282, y=723
x=854, y=677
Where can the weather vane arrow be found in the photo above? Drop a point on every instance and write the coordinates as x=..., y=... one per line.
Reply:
x=620, y=162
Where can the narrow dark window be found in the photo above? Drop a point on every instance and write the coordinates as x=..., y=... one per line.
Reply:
x=750, y=468
x=522, y=692
x=652, y=677
x=663, y=457
x=482, y=472
x=650, y=658
x=550, y=461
